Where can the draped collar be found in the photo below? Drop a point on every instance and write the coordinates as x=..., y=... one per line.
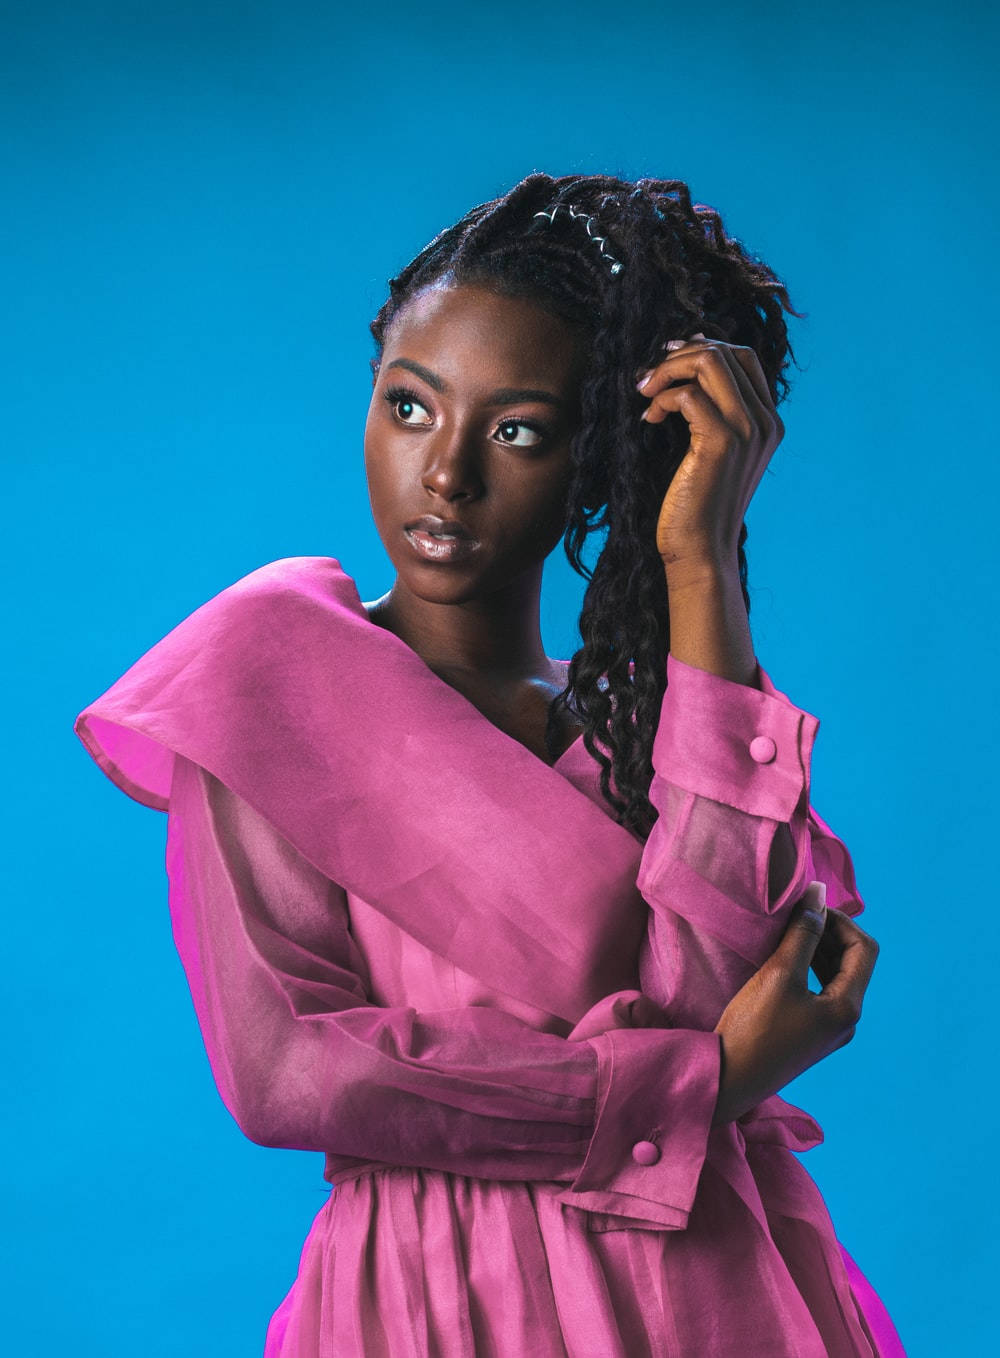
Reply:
x=387, y=780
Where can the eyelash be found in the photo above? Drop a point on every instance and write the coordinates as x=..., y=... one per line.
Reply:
x=396, y=394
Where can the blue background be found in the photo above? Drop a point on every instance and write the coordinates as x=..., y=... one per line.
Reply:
x=203, y=205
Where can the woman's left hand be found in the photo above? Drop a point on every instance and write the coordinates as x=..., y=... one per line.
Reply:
x=734, y=430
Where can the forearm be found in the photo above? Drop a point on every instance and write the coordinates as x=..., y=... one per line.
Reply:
x=709, y=629
x=304, y=1060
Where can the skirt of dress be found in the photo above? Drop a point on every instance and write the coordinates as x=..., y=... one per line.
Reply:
x=410, y=1263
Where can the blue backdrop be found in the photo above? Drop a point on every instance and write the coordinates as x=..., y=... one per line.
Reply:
x=203, y=204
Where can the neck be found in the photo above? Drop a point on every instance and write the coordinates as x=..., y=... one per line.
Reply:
x=496, y=635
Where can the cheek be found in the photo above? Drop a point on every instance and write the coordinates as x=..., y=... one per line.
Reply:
x=557, y=493
x=379, y=486
x=545, y=516
x=378, y=457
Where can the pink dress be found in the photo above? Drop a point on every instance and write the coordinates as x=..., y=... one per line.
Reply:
x=413, y=945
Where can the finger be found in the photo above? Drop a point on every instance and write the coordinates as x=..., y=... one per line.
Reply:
x=707, y=365
x=762, y=412
x=803, y=933
x=670, y=345
x=750, y=363
x=840, y=928
x=704, y=364
x=757, y=398
x=826, y=958
x=707, y=426
x=749, y=373
x=669, y=349
x=830, y=950
x=856, y=963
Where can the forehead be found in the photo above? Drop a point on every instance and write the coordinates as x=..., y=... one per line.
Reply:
x=463, y=331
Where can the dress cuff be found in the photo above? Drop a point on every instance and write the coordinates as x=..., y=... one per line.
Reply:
x=749, y=748
x=656, y=1096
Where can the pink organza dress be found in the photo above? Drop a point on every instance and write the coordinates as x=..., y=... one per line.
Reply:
x=416, y=947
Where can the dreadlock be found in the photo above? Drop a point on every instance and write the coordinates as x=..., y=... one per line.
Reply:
x=681, y=274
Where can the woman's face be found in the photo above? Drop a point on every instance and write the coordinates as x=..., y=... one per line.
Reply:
x=470, y=422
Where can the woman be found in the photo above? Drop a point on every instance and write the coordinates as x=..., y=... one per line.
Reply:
x=523, y=945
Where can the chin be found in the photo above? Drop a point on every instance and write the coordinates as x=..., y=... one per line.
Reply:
x=443, y=584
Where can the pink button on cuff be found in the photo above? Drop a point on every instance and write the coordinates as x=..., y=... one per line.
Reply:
x=645, y=1153
x=763, y=749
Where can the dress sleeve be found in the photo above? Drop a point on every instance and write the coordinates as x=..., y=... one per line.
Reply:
x=304, y=1060
x=732, y=765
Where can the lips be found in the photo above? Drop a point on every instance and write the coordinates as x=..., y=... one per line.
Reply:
x=440, y=540
x=440, y=528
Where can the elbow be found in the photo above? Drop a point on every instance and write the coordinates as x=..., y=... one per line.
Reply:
x=285, y=1132
x=294, y=1114
x=267, y=1115
x=254, y=1120
x=257, y=1126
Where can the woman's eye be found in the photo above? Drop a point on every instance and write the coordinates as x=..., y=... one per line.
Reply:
x=514, y=425
x=403, y=402
x=400, y=396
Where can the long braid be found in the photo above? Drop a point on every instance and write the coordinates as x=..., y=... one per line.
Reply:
x=680, y=273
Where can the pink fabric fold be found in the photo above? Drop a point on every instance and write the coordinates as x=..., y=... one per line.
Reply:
x=395, y=959
x=282, y=688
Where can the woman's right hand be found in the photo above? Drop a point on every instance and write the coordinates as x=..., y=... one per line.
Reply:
x=775, y=1027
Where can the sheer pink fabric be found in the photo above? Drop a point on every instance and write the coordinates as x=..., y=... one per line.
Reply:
x=413, y=946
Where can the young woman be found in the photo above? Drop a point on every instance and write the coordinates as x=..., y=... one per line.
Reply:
x=523, y=944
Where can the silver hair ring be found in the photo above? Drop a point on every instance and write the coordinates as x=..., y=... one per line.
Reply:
x=601, y=241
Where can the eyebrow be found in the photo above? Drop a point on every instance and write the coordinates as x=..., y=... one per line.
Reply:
x=501, y=397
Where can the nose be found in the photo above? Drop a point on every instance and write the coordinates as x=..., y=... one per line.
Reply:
x=451, y=470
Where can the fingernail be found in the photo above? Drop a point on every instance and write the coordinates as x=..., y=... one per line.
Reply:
x=814, y=895
x=814, y=901
x=644, y=379
x=675, y=344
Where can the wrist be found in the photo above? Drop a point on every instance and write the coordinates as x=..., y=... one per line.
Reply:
x=709, y=627
x=700, y=570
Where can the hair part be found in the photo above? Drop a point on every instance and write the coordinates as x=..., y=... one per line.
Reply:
x=681, y=273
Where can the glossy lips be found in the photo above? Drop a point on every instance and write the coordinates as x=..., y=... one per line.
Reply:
x=436, y=539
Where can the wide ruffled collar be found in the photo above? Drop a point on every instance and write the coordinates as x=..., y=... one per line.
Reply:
x=387, y=780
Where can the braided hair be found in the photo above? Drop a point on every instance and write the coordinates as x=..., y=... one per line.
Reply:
x=679, y=273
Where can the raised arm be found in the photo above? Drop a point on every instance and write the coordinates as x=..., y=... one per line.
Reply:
x=737, y=839
x=304, y=1060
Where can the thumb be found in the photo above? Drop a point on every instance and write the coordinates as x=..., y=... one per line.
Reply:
x=805, y=929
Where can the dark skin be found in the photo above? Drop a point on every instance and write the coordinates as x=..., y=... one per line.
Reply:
x=449, y=448
x=458, y=454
